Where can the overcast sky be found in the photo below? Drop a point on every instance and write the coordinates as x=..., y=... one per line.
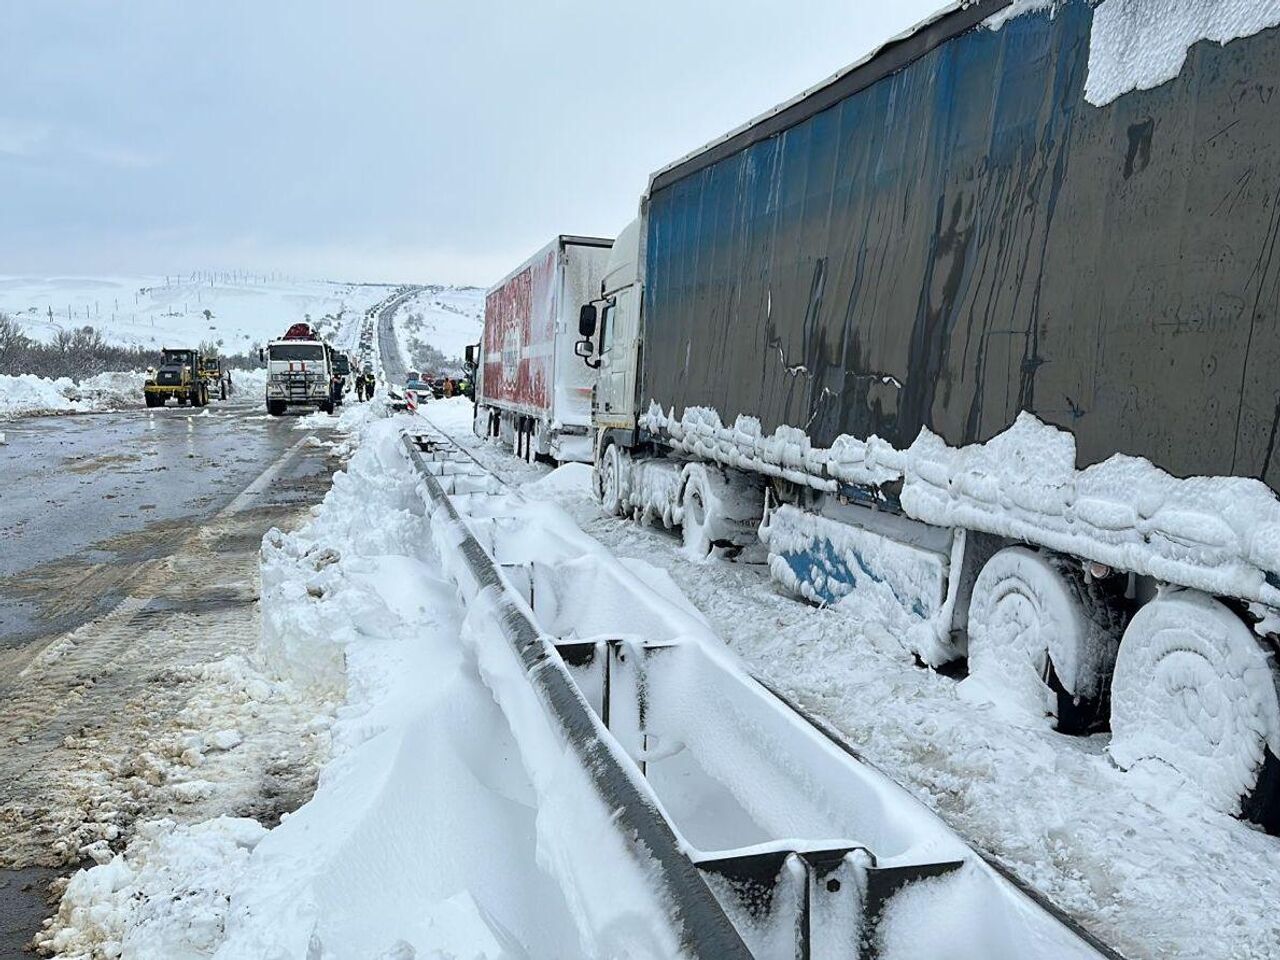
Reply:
x=378, y=140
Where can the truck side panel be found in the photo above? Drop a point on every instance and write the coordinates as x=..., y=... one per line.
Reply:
x=519, y=337
x=968, y=237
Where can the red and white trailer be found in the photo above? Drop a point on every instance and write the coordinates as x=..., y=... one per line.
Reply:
x=532, y=390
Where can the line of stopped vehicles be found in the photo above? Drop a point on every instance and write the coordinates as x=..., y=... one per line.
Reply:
x=303, y=370
x=953, y=348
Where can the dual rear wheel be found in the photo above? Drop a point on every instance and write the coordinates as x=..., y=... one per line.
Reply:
x=1185, y=684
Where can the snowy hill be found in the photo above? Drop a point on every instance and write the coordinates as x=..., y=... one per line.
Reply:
x=244, y=310
x=443, y=318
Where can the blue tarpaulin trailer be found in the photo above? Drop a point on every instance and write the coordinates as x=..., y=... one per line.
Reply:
x=951, y=233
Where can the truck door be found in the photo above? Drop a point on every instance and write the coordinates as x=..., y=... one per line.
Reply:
x=615, y=393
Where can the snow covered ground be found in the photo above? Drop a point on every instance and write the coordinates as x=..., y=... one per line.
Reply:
x=446, y=318
x=424, y=839
x=26, y=394
x=420, y=838
x=1139, y=858
x=157, y=312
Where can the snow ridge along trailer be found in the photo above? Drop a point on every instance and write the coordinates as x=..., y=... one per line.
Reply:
x=980, y=338
x=532, y=391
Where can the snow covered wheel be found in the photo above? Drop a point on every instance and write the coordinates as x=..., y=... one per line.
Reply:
x=608, y=480
x=1042, y=639
x=1195, y=689
x=717, y=514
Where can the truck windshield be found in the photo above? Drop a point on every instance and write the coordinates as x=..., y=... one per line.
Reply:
x=173, y=358
x=297, y=351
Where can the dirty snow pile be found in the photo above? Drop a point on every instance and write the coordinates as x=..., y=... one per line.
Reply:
x=420, y=838
x=26, y=394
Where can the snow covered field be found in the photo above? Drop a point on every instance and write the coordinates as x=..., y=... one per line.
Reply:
x=158, y=311
x=446, y=318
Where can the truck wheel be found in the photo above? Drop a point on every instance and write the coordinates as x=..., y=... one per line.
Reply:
x=718, y=514
x=326, y=407
x=1043, y=640
x=608, y=480
x=222, y=390
x=182, y=401
x=1194, y=689
x=275, y=408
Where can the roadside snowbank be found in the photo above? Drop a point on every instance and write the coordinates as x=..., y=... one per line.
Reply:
x=26, y=394
x=420, y=840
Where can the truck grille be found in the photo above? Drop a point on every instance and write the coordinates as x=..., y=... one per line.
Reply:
x=169, y=377
x=295, y=386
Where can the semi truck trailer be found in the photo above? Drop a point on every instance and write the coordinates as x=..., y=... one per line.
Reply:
x=979, y=339
x=533, y=392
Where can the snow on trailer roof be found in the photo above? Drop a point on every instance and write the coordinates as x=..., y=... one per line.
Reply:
x=1129, y=50
x=887, y=58
x=562, y=240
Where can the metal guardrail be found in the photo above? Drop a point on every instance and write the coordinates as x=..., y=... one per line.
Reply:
x=705, y=931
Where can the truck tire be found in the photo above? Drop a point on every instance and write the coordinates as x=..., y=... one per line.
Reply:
x=326, y=407
x=150, y=399
x=275, y=408
x=719, y=513
x=182, y=400
x=608, y=480
x=1195, y=690
x=222, y=390
x=1042, y=640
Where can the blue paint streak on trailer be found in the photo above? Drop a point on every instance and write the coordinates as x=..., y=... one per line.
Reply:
x=820, y=564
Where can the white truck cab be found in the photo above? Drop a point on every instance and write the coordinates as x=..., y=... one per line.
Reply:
x=610, y=331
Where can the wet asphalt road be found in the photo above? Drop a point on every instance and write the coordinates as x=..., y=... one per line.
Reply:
x=88, y=505
x=393, y=364
x=81, y=495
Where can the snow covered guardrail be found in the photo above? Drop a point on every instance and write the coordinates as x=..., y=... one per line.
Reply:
x=699, y=925
x=746, y=827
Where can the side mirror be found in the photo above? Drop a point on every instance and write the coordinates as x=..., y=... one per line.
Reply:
x=262, y=355
x=471, y=354
x=587, y=320
x=583, y=348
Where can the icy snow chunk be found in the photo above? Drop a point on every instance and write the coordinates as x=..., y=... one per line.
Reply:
x=567, y=482
x=192, y=791
x=1140, y=44
x=225, y=740
x=1017, y=9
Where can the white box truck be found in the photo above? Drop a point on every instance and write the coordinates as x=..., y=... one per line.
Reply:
x=532, y=391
